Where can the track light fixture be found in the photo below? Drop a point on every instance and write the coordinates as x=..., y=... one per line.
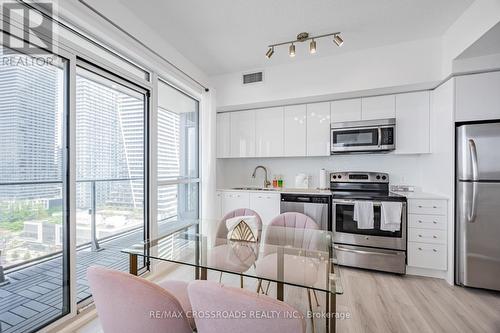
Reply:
x=338, y=40
x=270, y=52
x=312, y=47
x=302, y=37
x=291, y=50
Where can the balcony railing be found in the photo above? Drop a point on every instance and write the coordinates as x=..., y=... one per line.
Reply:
x=93, y=201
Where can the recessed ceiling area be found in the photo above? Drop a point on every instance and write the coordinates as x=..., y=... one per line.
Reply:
x=233, y=34
x=488, y=44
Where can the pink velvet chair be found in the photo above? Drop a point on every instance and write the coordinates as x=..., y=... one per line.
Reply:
x=233, y=257
x=212, y=297
x=130, y=304
x=294, y=233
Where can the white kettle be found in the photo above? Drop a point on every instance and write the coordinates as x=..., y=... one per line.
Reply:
x=301, y=180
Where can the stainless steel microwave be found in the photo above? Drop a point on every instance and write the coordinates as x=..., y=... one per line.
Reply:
x=363, y=136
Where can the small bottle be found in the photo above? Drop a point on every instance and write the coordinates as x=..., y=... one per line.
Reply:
x=275, y=182
x=280, y=182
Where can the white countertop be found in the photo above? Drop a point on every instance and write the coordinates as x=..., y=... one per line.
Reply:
x=282, y=190
x=421, y=195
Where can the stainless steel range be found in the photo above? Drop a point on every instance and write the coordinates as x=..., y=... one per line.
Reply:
x=370, y=248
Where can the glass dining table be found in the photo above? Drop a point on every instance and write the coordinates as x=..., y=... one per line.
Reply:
x=284, y=256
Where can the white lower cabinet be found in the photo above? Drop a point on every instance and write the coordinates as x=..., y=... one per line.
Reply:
x=267, y=205
x=234, y=200
x=427, y=234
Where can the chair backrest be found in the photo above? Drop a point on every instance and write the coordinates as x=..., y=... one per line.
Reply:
x=222, y=231
x=130, y=304
x=242, y=308
x=294, y=232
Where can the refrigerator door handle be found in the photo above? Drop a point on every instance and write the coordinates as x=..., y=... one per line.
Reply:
x=473, y=157
x=471, y=216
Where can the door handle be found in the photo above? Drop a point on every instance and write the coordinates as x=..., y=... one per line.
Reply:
x=471, y=216
x=473, y=157
x=379, y=136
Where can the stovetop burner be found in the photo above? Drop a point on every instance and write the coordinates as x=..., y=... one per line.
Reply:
x=362, y=186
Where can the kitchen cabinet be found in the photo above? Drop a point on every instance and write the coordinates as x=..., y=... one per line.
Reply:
x=223, y=135
x=232, y=200
x=318, y=129
x=346, y=110
x=478, y=97
x=378, y=107
x=267, y=205
x=413, y=123
x=242, y=133
x=269, y=132
x=294, y=130
x=427, y=233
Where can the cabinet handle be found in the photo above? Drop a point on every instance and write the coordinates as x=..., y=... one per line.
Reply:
x=420, y=236
x=434, y=236
x=420, y=206
x=435, y=222
x=434, y=207
x=420, y=221
x=420, y=249
x=434, y=250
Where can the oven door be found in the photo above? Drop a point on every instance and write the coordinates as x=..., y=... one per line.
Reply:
x=355, y=139
x=346, y=229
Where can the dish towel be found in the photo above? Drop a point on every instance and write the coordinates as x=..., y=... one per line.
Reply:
x=250, y=221
x=390, y=216
x=363, y=214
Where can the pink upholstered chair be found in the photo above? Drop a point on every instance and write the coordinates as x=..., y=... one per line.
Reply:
x=233, y=257
x=211, y=296
x=130, y=304
x=294, y=233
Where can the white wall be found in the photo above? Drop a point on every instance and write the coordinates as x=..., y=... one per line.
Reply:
x=394, y=65
x=237, y=172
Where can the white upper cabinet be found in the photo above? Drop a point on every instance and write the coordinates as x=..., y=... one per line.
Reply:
x=412, y=123
x=478, y=97
x=223, y=135
x=295, y=125
x=269, y=132
x=318, y=129
x=346, y=110
x=378, y=107
x=243, y=134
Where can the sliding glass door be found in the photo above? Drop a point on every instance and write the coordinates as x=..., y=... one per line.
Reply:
x=110, y=170
x=34, y=241
x=178, y=155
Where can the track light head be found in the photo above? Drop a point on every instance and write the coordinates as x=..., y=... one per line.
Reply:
x=291, y=50
x=270, y=52
x=312, y=47
x=338, y=40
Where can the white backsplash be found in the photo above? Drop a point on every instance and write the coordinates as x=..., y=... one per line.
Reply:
x=402, y=169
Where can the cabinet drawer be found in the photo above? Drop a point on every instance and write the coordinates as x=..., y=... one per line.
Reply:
x=427, y=221
x=423, y=255
x=424, y=206
x=427, y=236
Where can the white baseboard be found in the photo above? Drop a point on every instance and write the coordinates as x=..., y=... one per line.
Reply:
x=427, y=272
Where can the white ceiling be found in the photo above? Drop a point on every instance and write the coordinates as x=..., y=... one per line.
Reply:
x=488, y=44
x=232, y=35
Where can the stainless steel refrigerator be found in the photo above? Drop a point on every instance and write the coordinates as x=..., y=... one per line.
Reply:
x=478, y=206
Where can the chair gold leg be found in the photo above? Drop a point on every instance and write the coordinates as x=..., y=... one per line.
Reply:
x=259, y=287
x=267, y=288
x=315, y=297
x=220, y=277
x=310, y=309
x=241, y=281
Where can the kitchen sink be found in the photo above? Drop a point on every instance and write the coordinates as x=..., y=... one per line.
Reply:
x=253, y=189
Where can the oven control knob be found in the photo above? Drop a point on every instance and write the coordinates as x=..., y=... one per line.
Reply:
x=378, y=177
x=384, y=177
x=334, y=177
x=340, y=176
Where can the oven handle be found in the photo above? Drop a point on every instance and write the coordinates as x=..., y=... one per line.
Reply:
x=351, y=202
x=340, y=248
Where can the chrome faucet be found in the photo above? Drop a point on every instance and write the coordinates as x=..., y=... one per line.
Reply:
x=267, y=183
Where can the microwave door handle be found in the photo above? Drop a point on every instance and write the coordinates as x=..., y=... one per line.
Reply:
x=379, y=136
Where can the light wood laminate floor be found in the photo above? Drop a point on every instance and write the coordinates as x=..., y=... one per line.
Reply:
x=385, y=303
